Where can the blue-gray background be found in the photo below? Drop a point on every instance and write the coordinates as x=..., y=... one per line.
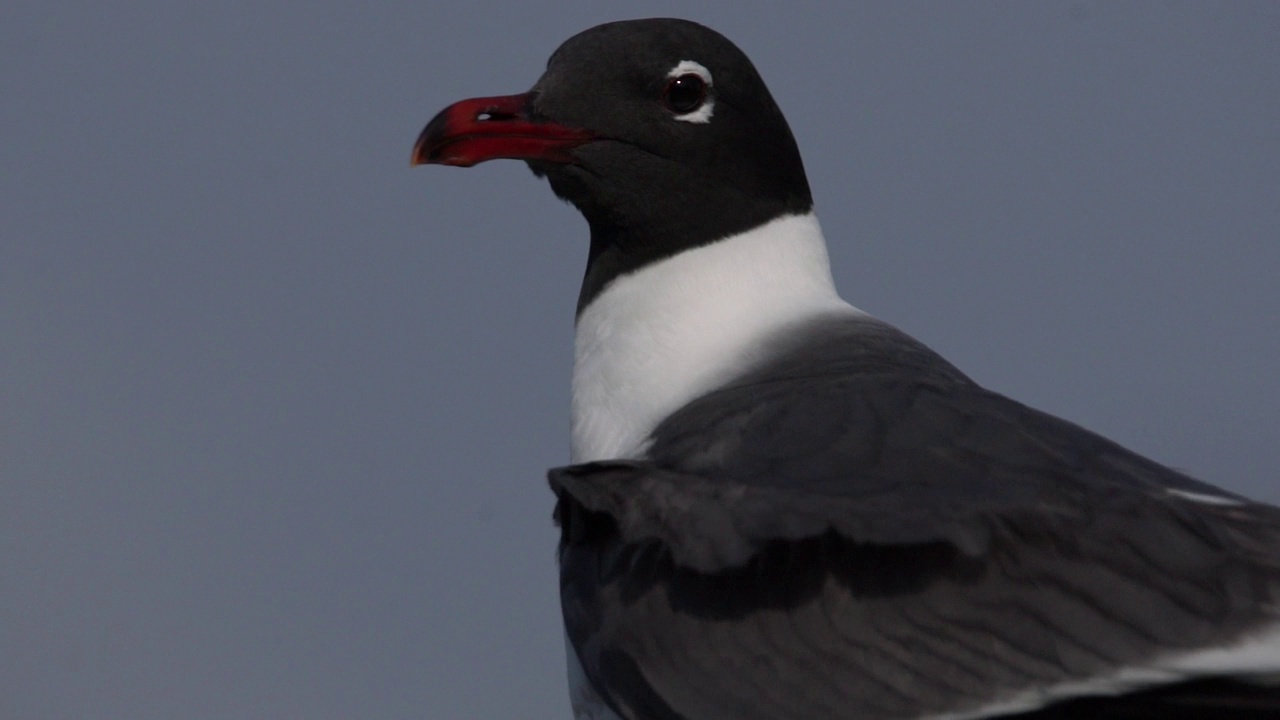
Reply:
x=276, y=407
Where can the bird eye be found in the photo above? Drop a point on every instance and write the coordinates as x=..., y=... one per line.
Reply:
x=685, y=93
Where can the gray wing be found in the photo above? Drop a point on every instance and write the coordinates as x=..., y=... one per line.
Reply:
x=854, y=542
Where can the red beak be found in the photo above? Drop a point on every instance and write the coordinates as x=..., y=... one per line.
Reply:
x=472, y=131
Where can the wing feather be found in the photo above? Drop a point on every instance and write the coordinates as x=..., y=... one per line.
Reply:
x=863, y=544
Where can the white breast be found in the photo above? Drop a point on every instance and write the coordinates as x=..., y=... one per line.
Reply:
x=659, y=337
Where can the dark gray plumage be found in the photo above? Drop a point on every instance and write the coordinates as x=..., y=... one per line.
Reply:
x=858, y=530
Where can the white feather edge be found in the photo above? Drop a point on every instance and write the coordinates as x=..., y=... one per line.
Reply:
x=1206, y=498
x=1255, y=659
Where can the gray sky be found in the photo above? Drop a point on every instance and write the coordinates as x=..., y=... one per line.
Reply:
x=276, y=407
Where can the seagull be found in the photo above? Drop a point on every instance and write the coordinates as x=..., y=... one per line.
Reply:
x=780, y=507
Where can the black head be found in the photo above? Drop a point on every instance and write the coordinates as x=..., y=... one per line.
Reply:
x=659, y=131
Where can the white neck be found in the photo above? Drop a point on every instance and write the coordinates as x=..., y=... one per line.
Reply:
x=659, y=337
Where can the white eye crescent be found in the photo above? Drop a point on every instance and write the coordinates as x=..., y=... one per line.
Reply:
x=688, y=92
